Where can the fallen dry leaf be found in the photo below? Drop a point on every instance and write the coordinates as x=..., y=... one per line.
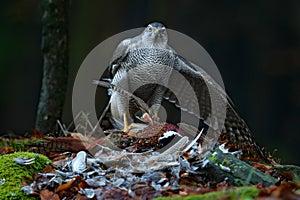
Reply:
x=48, y=195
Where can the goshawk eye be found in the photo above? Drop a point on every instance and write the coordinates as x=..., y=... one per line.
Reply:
x=149, y=29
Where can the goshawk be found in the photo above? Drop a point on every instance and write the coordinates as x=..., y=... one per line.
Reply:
x=149, y=68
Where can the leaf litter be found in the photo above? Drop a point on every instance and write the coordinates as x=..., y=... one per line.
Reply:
x=125, y=166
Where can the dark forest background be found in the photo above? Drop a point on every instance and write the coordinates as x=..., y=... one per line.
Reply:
x=255, y=44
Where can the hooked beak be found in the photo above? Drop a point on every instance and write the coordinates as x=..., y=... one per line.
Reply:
x=158, y=31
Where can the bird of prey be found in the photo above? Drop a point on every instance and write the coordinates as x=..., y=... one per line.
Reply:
x=149, y=68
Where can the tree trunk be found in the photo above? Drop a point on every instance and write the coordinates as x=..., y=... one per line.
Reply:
x=55, y=63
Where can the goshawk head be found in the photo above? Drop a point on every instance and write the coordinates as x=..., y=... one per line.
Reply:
x=155, y=34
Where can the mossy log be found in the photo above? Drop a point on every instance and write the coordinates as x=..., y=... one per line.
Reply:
x=226, y=166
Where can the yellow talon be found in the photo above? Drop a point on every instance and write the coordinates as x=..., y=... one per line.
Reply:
x=127, y=127
x=156, y=117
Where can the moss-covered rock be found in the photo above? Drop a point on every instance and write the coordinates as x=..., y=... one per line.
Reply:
x=12, y=174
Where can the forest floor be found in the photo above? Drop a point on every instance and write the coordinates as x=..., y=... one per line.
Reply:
x=79, y=166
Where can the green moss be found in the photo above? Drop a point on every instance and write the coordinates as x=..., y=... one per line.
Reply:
x=213, y=159
x=14, y=174
x=238, y=193
x=19, y=145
